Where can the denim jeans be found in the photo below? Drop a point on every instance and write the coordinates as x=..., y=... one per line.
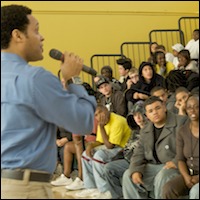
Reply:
x=194, y=192
x=93, y=170
x=154, y=178
x=113, y=174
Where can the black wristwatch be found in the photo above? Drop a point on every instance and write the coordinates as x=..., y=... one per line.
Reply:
x=75, y=80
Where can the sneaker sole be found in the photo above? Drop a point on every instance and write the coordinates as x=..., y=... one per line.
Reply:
x=58, y=185
x=87, y=195
x=72, y=189
x=61, y=184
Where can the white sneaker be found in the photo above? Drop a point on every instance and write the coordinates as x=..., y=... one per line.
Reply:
x=62, y=180
x=76, y=185
x=102, y=195
x=87, y=192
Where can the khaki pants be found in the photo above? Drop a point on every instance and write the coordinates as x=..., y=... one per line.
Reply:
x=24, y=189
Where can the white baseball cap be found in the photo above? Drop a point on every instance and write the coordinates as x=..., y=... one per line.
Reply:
x=178, y=47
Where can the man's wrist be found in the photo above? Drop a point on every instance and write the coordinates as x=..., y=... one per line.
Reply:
x=75, y=79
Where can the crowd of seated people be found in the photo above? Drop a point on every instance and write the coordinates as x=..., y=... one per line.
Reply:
x=148, y=110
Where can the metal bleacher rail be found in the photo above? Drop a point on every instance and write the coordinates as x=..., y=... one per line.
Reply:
x=97, y=61
x=140, y=51
x=187, y=25
x=136, y=51
x=167, y=37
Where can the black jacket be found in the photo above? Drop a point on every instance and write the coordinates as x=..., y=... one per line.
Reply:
x=142, y=87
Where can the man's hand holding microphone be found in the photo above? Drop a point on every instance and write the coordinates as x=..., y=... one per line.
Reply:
x=71, y=65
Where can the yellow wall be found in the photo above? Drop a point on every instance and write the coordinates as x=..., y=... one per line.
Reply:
x=95, y=27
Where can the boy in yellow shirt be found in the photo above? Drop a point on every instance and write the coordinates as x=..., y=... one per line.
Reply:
x=112, y=134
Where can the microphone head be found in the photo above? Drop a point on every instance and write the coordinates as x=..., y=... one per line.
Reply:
x=56, y=54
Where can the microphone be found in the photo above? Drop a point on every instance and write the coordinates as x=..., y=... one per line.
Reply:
x=56, y=54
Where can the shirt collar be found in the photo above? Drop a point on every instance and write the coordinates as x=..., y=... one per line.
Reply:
x=12, y=57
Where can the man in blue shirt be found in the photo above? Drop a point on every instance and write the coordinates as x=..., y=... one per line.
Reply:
x=33, y=104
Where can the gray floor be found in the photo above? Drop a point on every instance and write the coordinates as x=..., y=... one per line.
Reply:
x=61, y=193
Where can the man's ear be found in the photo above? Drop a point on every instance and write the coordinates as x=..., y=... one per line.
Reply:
x=17, y=35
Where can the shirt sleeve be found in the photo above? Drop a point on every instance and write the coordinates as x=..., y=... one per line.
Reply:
x=72, y=109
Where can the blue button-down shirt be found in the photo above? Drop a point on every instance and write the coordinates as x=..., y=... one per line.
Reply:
x=33, y=104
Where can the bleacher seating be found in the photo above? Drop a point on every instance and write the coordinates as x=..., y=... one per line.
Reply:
x=140, y=51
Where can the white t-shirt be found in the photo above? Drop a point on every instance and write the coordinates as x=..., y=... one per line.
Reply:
x=169, y=57
x=175, y=62
x=193, y=47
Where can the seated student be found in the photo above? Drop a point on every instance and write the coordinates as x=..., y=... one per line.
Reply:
x=63, y=137
x=181, y=78
x=193, y=45
x=177, y=105
x=162, y=66
x=187, y=148
x=162, y=93
x=133, y=77
x=111, y=98
x=168, y=56
x=124, y=65
x=185, y=78
x=148, y=79
x=73, y=150
x=80, y=144
x=185, y=61
x=176, y=49
x=181, y=95
x=108, y=72
x=112, y=134
x=152, y=48
x=153, y=162
x=114, y=169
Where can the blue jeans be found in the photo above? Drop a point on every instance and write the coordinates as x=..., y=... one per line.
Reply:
x=154, y=178
x=194, y=192
x=93, y=171
x=113, y=175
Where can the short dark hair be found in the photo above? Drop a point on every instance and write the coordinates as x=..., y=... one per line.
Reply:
x=156, y=88
x=125, y=62
x=181, y=89
x=13, y=17
x=160, y=46
x=107, y=68
x=151, y=100
x=193, y=95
